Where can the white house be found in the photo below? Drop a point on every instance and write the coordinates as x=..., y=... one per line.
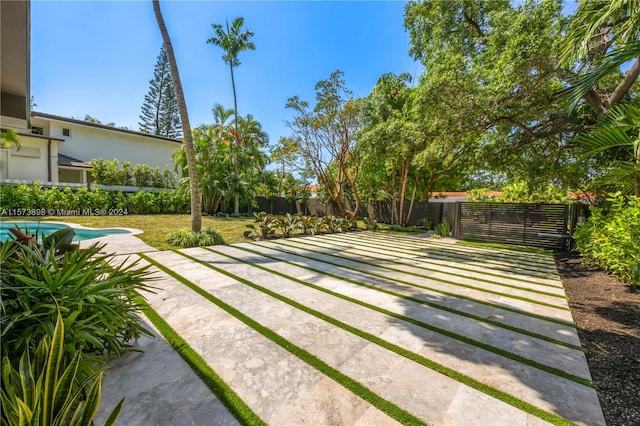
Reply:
x=57, y=149
x=79, y=141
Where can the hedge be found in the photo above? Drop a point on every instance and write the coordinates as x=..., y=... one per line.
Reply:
x=55, y=200
x=610, y=238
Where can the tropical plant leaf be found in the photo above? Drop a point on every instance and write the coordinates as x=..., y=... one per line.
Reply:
x=51, y=373
x=114, y=414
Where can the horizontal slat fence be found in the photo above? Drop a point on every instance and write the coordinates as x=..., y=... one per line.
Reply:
x=535, y=225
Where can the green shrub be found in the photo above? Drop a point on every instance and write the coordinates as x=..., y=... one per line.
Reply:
x=443, y=229
x=185, y=238
x=37, y=197
x=336, y=224
x=53, y=199
x=96, y=296
x=426, y=223
x=289, y=224
x=320, y=225
x=610, y=238
x=266, y=223
x=370, y=224
x=47, y=389
x=308, y=224
x=105, y=172
x=143, y=202
x=400, y=228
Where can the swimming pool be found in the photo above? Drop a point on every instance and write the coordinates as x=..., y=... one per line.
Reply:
x=48, y=228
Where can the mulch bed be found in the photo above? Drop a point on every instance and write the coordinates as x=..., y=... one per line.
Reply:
x=607, y=313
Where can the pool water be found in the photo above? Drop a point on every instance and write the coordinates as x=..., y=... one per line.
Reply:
x=49, y=228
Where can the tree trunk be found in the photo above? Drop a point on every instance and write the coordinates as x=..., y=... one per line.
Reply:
x=403, y=190
x=637, y=179
x=394, y=194
x=187, y=139
x=413, y=198
x=236, y=160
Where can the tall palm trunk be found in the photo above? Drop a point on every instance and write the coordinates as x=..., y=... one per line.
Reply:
x=236, y=160
x=187, y=139
x=636, y=182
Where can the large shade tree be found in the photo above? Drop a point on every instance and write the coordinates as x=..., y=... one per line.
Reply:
x=327, y=138
x=506, y=60
x=187, y=139
x=234, y=40
x=388, y=144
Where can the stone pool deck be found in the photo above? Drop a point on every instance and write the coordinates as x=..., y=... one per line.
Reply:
x=355, y=328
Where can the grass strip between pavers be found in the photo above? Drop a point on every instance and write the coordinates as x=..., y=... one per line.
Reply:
x=462, y=378
x=405, y=297
x=466, y=254
x=352, y=385
x=400, y=247
x=364, y=262
x=499, y=253
x=220, y=389
x=499, y=246
x=432, y=260
x=484, y=290
x=495, y=250
x=456, y=336
x=446, y=293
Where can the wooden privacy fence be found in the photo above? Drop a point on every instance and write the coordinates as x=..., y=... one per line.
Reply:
x=378, y=210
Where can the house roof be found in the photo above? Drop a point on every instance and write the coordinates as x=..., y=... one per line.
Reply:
x=65, y=160
x=100, y=126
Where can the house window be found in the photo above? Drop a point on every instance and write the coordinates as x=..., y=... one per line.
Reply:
x=66, y=132
x=37, y=130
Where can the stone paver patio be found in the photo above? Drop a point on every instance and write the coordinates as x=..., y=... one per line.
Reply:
x=352, y=328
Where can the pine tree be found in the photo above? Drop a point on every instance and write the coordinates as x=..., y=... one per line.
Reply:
x=160, y=114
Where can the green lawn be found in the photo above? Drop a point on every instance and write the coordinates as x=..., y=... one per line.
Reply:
x=157, y=227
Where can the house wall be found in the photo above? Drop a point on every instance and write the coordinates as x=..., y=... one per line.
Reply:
x=69, y=175
x=87, y=143
x=30, y=162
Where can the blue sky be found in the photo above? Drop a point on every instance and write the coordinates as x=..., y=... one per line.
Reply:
x=97, y=57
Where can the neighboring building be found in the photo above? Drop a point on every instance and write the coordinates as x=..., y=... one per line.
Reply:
x=454, y=197
x=54, y=148
x=80, y=141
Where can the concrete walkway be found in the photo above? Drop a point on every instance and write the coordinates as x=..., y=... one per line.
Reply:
x=451, y=335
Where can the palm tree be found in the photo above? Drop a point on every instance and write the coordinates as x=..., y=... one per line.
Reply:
x=252, y=158
x=619, y=130
x=187, y=139
x=605, y=34
x=233, y=41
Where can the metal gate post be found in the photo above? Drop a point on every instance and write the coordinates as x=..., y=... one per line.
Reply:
x=458, y=219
